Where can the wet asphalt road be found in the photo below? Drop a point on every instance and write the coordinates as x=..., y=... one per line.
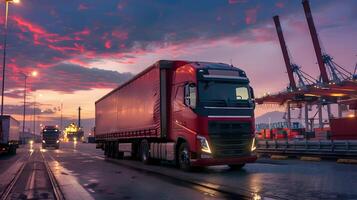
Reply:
x=83, y=173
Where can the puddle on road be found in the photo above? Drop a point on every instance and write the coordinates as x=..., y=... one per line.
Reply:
x=69, y=182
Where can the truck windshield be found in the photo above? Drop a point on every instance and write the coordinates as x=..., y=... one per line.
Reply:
x=50, y=133
x=223, y=92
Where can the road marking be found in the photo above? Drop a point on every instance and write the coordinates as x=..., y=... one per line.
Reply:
x=347, y=161
x=309, y=158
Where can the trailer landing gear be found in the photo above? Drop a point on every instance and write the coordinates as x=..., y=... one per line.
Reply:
x=144, y=153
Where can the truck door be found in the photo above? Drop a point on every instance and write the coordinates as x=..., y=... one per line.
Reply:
x=184, y=102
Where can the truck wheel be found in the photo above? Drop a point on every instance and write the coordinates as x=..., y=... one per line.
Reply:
x=113, y=150
x=12, y=150
x=144, y=152
x=117, y=155
x=110, y=150
x=106, y=149
x=184, y=157
x=236, y=167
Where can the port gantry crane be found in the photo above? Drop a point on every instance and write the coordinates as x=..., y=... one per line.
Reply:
x=335, y=85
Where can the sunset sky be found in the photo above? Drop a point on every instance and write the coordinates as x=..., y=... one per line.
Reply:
x=82, y=49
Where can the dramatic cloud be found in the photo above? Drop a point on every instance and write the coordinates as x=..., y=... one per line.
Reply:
x=69, y=78
x=88, y=45
x=19, y=109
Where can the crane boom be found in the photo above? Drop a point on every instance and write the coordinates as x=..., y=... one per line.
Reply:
x=315, y=41
x=285, y=52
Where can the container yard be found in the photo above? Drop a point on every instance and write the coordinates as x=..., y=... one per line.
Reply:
x=336, y=87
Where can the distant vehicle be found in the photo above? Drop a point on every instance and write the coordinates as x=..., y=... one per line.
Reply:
x=192, y=113
x=9, y=134
x=74, y=133
x=50, y=137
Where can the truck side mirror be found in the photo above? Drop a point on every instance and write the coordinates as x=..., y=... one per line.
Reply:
x=190, y=95
x=251, y=93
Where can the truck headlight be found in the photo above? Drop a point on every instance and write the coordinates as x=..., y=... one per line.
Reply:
x=204, y=144
x=57, y=141
x=254, y=147
x=43, y=141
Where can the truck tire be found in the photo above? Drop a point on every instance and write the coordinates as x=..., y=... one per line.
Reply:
x=184, y=157
x=236, y=167
x=112, y=150
x=117, y=154
x=12, y=150
x=106, y=148
x=144, y=152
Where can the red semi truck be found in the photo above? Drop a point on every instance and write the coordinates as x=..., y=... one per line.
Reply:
x=9, y=134
x=192, y=113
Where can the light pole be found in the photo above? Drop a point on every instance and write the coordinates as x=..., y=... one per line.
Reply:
x=33, y=74
x=4, y=56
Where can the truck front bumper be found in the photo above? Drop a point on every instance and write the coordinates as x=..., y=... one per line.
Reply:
x=223, y=161
x=50, y=144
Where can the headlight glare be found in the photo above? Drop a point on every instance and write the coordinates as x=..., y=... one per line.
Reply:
x=254, y=147
x=204, y=144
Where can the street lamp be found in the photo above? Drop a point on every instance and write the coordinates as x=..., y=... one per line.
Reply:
x=4, y=56
x=33, y=74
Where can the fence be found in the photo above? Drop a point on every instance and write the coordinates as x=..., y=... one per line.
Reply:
x=309, y=147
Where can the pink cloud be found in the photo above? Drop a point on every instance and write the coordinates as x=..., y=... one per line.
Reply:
x=251, y=15
x=82, y=7
x=108, y=44
x=279, y=5
x=237, y=1
x=119, y=34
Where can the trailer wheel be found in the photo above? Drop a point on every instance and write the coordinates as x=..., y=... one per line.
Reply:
x=144, y=152
x=106, y=148
x=184, y=157
x=12, y=150
x=236, y=167
x=111, y=150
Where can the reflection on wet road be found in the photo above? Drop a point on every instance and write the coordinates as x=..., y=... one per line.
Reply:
x=82, y=172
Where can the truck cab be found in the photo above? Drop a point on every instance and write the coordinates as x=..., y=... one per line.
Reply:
x=50, y=137
x=213, y=115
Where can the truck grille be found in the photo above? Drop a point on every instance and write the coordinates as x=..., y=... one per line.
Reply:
x=230, y=139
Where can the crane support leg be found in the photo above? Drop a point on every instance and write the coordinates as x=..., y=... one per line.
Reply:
x=306, y=117
x=289, y=115
x=339, y=108
x=329, y=114
x=321, y=125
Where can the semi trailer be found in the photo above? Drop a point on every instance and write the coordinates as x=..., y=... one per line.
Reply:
x=191, y=113
x=9, y=134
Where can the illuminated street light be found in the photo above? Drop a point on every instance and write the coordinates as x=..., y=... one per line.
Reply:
x=33, y=74
x=4, y=56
